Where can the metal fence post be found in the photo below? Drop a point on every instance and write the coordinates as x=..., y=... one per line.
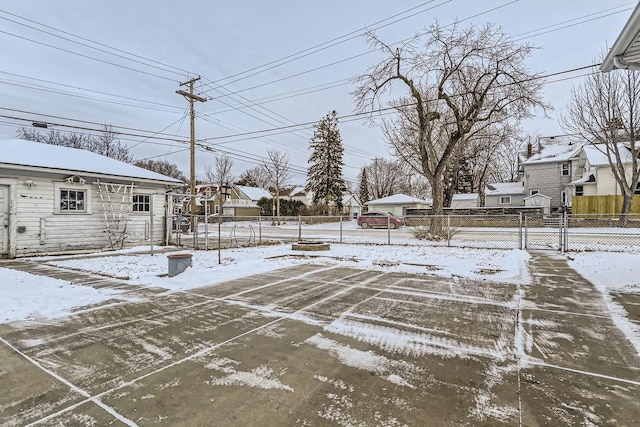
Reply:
x=526, y=231
x=195, y=232
x=448, y=231
x=299, y=228
x=151, y=223
x=260, y=229
x=206, y=225
x=560, y=231
x=520, y=230
x=566, y=231
x=388, y=230
x=340, y=228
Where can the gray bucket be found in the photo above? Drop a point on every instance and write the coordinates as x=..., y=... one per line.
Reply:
x=178, y=263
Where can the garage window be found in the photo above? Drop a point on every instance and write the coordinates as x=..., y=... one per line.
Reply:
x=141, y=203
x=72, y=200
x=505, y=200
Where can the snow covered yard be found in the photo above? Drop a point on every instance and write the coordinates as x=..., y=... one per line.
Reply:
x=359, y=335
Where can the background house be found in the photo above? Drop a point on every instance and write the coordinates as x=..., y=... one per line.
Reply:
x=504, y=194
x=596, y=190
x=57, y=199
x=244, y=201
x=547, y=168
x=299, y=193
x=237, y=200
x=398, y=204
x=351, y=205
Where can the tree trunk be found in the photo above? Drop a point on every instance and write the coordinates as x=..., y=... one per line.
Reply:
x=278, y=205
x=627, y=199
x=437, y=186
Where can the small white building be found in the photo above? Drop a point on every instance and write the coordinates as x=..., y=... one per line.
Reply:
x=539, y=200
x=56, y=200
x=465, y=201
x=351, y=205
x=398, y=204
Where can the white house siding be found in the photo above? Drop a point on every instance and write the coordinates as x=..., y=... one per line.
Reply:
x=40, y=230
x=606, y=182
x=4, y=219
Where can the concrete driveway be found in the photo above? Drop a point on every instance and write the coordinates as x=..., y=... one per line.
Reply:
x=317, y=345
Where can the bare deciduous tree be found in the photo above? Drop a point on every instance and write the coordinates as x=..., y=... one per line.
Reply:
x=162, y=166
x=386, y=178
x=605, y=110
x=106, y=143
x=457, y=79
x=220, y=175
x=254, y=177
x=490, y=153
x=278, y=173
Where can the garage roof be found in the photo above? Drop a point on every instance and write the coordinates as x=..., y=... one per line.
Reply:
x=625, y=52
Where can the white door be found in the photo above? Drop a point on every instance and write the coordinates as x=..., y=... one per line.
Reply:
x=4, y=219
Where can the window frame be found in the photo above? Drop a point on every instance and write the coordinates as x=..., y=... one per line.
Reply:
x=59, y=187
x=532, y=192
x=145, y=203
x=500, y=200
x=565, y=169
x=579, y=192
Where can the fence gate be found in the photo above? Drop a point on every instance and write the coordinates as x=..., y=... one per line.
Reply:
x=541, y=232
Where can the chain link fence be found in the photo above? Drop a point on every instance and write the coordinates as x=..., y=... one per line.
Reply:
x=517, y=231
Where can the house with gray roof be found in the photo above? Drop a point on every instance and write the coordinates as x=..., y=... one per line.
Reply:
x=549, y=167
x=504, y=194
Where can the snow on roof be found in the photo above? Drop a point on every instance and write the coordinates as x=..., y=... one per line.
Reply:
x=587, y=179
x=465, y=196
x=254, y=193
x=397, y=199
x=35, y=154
x=347, y=197
x=538, y=196
x=555, y=149
x=597, y=154
x=504, y=188
x=297, y=191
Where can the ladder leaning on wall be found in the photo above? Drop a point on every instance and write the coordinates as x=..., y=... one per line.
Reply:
x=116, y=202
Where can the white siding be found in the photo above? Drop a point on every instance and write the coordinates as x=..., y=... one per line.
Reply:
x=40, y=230
x=606, y=183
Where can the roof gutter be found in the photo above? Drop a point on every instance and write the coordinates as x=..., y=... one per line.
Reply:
x=614, y=59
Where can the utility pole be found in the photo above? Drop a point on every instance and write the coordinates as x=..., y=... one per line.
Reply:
x=191, y=97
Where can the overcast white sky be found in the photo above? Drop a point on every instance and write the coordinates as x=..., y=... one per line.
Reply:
x=219, y=40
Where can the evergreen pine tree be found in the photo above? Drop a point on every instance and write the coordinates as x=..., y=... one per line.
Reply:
x=364, y=186
x=324, y=177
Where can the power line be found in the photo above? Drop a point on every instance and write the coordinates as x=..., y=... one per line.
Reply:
x=87, y=56
x=324, y=45
x=91, y=41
